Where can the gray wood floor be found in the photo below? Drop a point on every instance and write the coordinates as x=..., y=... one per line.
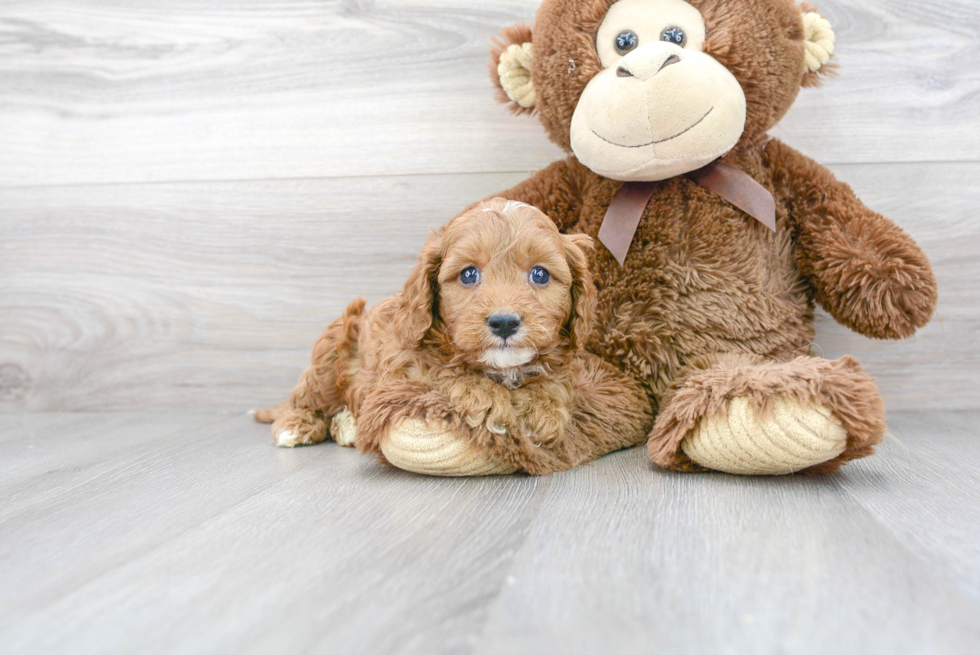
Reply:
x=191, y=189
x=191, y=533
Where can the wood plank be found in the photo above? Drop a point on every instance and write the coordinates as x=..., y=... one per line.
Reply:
x=927, y=490
x=128, y=91
x=208, y=539
x=211, y=295
x=48, y=456
x=170, y=478
x=623, y=559
x=213, y=540
x=107, y=288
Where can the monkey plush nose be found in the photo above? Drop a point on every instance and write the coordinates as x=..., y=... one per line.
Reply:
x=504, y=325
x=673, y=59
x=648, y=61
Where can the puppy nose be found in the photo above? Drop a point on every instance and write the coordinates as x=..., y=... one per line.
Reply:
x=504, y=325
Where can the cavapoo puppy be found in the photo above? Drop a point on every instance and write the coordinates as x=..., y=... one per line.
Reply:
x=478, y=365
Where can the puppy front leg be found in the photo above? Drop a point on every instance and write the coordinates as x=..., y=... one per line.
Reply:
x=475, y=433
x=415, y=427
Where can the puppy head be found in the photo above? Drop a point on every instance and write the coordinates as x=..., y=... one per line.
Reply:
x=503, y=287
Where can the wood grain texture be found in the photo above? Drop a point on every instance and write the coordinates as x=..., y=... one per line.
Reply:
x=96, y=91
x=718, y=564
x=191, y=190
x=928, y=491
x=189, y=532
x=209, y=539
x=123, y=297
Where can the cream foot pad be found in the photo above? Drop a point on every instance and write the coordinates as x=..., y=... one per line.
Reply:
x=415, y=446
x=792, y=438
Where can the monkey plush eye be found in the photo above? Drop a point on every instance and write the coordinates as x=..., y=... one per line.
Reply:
x=540, y=276
x=674, y=35
x=626, y=41
x=469, y=276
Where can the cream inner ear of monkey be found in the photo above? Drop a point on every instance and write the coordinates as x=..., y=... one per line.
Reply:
x=658, y=109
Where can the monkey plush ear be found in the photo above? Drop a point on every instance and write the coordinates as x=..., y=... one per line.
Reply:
x=510, y=68
x=818, y=41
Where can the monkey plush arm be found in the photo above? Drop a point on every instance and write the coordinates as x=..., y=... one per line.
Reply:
x=864, y=270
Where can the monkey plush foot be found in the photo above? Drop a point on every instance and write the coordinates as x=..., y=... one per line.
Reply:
x=744, y=414
x=416, y=446
x=746, y=440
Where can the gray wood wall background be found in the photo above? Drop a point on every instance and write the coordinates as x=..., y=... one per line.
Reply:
x=191, y=189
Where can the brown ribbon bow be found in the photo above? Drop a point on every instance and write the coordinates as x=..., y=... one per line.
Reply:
x=625, y=211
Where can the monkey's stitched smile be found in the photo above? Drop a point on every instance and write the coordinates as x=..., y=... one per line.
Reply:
x=653, y=143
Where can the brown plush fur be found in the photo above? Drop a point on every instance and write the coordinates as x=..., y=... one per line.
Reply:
x=710, y=304
x=423, y=353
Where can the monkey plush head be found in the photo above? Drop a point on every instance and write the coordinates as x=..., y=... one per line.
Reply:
x=645, y=90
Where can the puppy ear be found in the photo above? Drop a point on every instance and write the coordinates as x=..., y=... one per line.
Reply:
x=819, y=42
x=584, y=296
x=419, y=305
x=510, y=69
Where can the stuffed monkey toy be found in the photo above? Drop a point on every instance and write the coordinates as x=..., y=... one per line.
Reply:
x=716, y=240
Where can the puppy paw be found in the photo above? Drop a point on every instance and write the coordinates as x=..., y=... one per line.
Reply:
x=343, y=428
x=299, y=429
x=745, y=441
x=420, y=447
x=288, y=439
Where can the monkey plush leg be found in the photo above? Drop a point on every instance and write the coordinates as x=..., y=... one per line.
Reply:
x=747, y=415
x=419, y=446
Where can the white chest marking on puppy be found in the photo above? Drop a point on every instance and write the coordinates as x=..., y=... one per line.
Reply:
x=502, y=358
x=508, y=366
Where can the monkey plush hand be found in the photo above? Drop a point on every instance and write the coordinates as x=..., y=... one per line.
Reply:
x=717, y=239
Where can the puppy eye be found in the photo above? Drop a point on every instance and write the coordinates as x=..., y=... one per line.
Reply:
x=626, y=41
x=469, y=276
x=540, y=276
x=674, y=35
